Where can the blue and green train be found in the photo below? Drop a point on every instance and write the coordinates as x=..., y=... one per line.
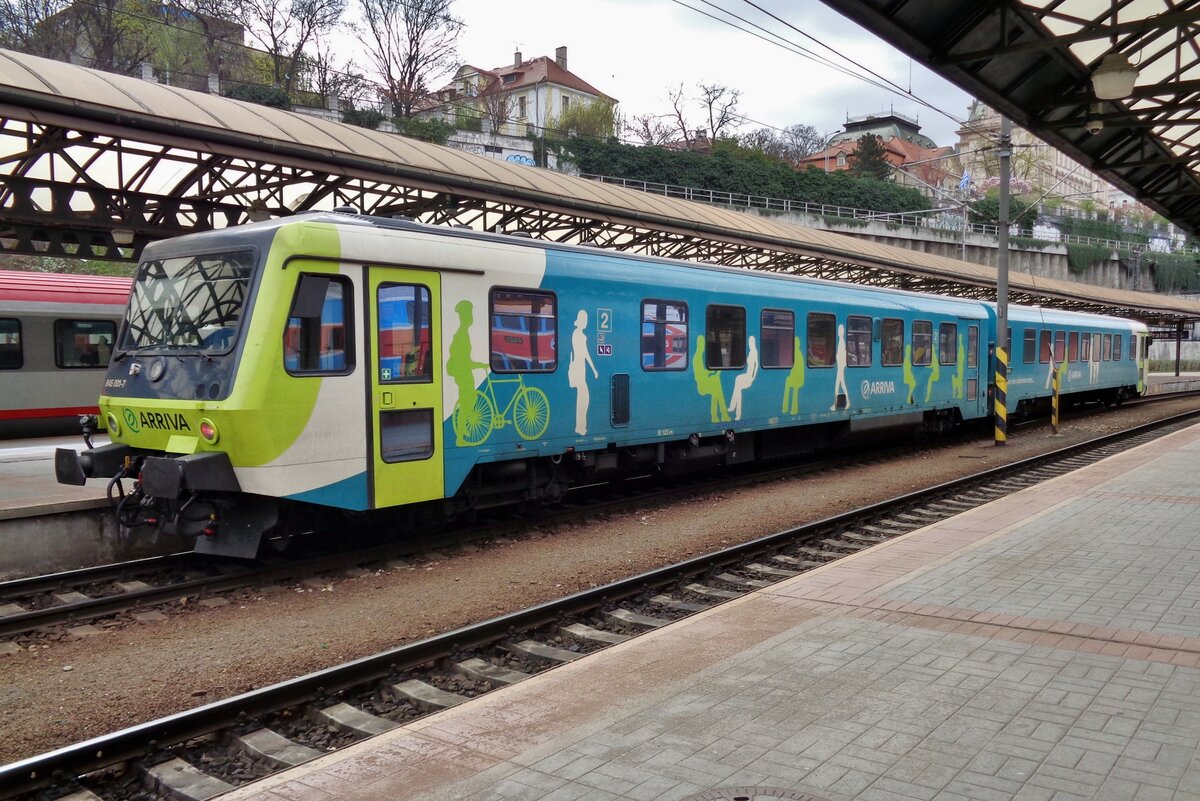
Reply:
x=335, y=363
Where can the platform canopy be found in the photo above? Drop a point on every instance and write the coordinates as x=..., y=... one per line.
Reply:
x=94, y=165
x=1033, y=61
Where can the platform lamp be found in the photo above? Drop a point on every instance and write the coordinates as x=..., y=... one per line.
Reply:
x=122, y=237
x=1114, y=78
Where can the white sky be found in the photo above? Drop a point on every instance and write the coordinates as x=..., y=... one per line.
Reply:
x=634, y=50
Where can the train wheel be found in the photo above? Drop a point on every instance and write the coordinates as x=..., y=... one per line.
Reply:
x=473, y=420
x=531, y=413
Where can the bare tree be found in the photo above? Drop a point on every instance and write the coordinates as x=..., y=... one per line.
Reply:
x=678, y=102
x=649, y=129
x=497, y=104
x=790, y=145
x=409, y=41
x=328, y=77
x=24, y=27
x=719, y=103
x=286, y=28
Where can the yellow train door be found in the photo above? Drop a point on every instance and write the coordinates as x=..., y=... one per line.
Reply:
x=405, y=406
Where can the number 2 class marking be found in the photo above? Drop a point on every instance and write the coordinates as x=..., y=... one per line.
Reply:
x=603, y=319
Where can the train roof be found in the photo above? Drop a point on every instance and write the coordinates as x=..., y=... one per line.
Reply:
x=23, y=287
x=1063, y=317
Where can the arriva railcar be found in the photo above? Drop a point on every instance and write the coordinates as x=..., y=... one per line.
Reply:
x=336, y=363
x=56, y=337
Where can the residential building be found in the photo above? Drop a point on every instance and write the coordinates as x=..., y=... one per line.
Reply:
x=918, y=161
x=513, y=100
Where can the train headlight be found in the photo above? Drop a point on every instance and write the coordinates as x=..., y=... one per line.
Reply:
x=208, y=431
x=114, y=427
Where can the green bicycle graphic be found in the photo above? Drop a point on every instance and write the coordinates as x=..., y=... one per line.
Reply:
x=477, y=416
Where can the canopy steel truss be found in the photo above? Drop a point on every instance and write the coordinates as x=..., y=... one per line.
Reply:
x=83, y=187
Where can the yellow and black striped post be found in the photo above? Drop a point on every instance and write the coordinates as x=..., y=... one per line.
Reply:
x=1001, y=396
x=1054, y=402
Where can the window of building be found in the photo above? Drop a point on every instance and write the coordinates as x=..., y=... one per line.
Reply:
x=83, y=343
x=315, y=339
x=566, y=104
x=858, y=341
x=664, y=335
x=948, y=343
x=510, y=77
x=1073, y=346
x=1107, y=353
x=822, y=345
x=777, y=330
x=725, y=337
x=1044, y=352
x=892, y=347
x=524, y=331
x=1117, y=349
x=1060, y=346
x=12, y=357
x=405, y=346
x=922, y=342
x=521, y=107
x=1030, y=346
x=972, y=346
x=841, y=160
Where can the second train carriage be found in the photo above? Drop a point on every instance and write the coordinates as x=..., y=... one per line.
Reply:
x=343, y=362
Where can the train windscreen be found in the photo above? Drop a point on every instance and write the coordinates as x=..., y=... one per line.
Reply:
x=188, y=304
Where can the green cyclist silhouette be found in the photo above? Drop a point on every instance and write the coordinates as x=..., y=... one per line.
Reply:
x=460, y=366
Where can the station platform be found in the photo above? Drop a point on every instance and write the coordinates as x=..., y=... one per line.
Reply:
x=1044, y=646
x=27, y=484
x=1162, y=383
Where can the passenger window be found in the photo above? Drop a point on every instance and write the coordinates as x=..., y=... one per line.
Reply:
x=725, y=338
x=822, y=342
x=778, y=334
x=948, y=343
x=858, y=341
x=524, y=331
x=893, y=342
x=1044, y=353
x=1030, y=352
x=11, y=355
x=1073, y=346
x=1117, y=349
x=664, y=335
x=1008, y=345
x=973, y=347
x=1095, y=347
x=406, y=435
x=83, y=343
x=1133, y=347
x=315, y=340
x=1060, y=346
x=1085, y=347
x=1107, y=355
x=922, y=342
x=405, y=347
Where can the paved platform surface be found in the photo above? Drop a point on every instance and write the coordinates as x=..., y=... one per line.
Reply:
x=27, y=484
x=1159, y=383
x=1045, y=646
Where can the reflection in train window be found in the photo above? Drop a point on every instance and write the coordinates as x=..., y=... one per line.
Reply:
x=405, y=352
x=83, y=343
x=315, y=338
x=893, y=342
x=11, y=355
x=948, y=343
x=664, y=335
x=778, y=334
x=524, y=331
x=822, y=347
x=858, y=341
x=725, y=338
x=1030, y=348
x=922, y=342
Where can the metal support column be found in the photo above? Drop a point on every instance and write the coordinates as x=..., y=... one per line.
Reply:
x=1001, y=381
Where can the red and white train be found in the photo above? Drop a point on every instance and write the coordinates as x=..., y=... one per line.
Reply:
x=56, y=335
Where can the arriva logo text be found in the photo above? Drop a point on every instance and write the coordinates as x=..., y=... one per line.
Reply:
x=161, y=421
x=870, y=388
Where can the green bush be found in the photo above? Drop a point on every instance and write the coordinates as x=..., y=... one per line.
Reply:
x=1081, y=257
x=1028, y=243
x=1174, y=272
x=730, y=168
x=1100, y=229
x=363, y=118
x=262, y=95
x=431, y=130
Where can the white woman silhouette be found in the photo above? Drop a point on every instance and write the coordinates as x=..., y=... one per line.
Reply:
x=840, y=387
x=581, y=359
x=744, y=380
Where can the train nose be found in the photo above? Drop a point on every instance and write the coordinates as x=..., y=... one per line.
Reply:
x=74, y=468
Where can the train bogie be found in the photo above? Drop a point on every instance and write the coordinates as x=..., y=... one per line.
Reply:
x=342, y=363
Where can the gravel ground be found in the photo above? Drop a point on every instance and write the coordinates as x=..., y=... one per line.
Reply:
x=68, y=691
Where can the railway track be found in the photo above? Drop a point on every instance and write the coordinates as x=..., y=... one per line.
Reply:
x=195, y=754
x=46, y=608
